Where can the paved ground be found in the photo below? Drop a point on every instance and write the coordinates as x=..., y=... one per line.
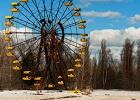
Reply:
x=67, y=95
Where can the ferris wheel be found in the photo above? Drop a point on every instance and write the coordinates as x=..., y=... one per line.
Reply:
x=46, y=40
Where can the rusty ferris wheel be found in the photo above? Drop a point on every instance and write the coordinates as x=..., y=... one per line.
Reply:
x=52, y=30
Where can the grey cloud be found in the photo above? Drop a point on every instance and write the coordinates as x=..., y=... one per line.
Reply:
x=107, y=14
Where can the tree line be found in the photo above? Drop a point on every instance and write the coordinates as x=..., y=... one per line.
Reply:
x=102, y=72
x=109, y=73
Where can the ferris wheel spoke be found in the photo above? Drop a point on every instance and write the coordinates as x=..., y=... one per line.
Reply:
x=67, y=19
x=71, y=50
x=66, y=40
x=26, y=18
x=27, y=22
x=35, y=4
x=20, y=54
x=66, y=15
x=62, y=16
x=33, y=15
x=30, y=47
x=33, y=50
x=45, y=9
x=37, y=45
x=26, y=25
x=74, y=45
x=30, y=12
x=71, y=42
x=65, y=65
x=51, y=8
x=25, y=32
x=74, y=34
x=29, y=40
x=67, y=51
x=69, y=56
x=75, y=23
x=59, y=7
x=68, y=26
x=40, y=50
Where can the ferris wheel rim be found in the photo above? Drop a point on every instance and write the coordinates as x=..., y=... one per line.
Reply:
x=65, y=46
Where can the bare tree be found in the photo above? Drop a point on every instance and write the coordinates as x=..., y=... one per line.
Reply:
x=127, y=64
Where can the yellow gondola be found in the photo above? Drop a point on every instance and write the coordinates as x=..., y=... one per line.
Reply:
x=27, y=78
x=71, y=76
x=82, y=21
x=15, y=10
x=9, y=47
x=9, y=17
x=82, y=26
x=59, y=77
x=76, y=91
x=70, y=70
x=23, y=0
x=9, y=23
x=84, y=40
x=26, y=72
x=51, y=86
x=7, y=32
x=76, y=14
x=76, y=9
x=37, y=78
x=16, y=68
x=61, y=83
x=78, y=65
x=15, y=3
x=16, y=62
x=9, y=54
x=7, y=39
x=83, y=34
x=68, y=3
